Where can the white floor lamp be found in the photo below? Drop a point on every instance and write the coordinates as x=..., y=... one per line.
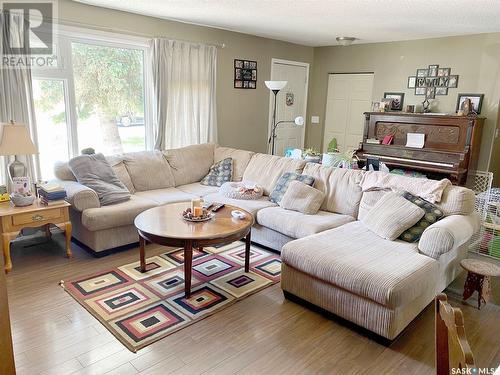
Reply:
x=275, y=87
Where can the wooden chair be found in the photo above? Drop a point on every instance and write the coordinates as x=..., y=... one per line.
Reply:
x=452, y=349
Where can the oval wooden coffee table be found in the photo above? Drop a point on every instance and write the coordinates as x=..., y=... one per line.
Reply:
x=165, y=226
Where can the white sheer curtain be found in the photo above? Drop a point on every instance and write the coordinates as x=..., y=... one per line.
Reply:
x=16, y=98
x=184, y=83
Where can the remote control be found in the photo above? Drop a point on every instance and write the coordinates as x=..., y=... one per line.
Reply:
x=217, y=206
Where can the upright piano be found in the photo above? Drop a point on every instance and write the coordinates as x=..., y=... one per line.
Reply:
x=451, y=146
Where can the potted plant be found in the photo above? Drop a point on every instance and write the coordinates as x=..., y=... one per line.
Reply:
x=311, y=155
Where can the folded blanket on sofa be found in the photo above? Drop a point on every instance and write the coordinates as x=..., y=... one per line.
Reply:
x=95, y=172
x=430, y=190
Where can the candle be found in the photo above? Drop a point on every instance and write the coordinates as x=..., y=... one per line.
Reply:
x=198, y=211
x=195, y=202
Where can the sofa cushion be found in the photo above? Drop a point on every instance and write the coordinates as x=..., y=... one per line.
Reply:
x=116, y=215
x=220, y=172
x=148, y=170
x=251, y=206
x=241, y=158
x=302, y=198
x=198, y=189
x=368, y=200
x=283, y=182
x=296, y=224
x=457, y=200
x=341, y=188
x=166, y=196
x=116, y=162
x=353, y=258
x=190, y=164
x=392, y=215
x=265, y=170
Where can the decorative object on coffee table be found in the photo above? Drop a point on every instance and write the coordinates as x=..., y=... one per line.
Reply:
x=165, y=226
x=14, y=219
x=241, y=190
x=479, y=274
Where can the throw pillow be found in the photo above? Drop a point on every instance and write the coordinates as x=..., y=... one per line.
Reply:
x=303, y=198
x=95, y=172
x=432, y=214
x=283, y=182
x=392, y=215
x=220, y=172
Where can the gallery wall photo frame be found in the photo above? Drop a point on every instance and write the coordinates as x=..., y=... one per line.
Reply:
x=245, y=74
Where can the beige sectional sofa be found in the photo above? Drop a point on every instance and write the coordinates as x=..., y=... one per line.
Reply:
x=329, y=259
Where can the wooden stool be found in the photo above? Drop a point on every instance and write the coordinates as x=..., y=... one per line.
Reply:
x=478, y=279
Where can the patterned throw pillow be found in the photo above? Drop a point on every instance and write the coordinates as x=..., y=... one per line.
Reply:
x=220, y=172
x=432, y=214
x=283, y=182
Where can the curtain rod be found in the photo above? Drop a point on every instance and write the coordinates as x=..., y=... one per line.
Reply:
x=132, y=33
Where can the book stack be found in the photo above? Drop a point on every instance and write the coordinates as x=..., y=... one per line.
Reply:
x=51, y=194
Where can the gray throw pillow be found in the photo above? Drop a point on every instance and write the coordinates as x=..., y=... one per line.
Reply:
x=303, y=198
x=392, y=215
x=95, y=172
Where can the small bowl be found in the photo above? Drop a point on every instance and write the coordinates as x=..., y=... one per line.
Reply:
x=238, y=214
x=22, y=200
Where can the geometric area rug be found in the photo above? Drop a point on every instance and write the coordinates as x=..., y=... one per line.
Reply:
x=141, y=308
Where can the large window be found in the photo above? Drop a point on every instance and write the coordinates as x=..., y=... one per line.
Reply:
x=52, y=129
x=94, y=99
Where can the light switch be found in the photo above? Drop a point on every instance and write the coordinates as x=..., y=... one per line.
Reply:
x=314, y=119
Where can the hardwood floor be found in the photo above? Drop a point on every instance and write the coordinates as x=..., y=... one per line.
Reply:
x=262, y=334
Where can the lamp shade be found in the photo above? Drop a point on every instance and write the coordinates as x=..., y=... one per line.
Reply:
x=15, y=140
x=299, y=121
x=275, y=85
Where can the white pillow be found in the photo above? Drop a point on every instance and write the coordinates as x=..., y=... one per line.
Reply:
x=392, y=215
x=302, y=197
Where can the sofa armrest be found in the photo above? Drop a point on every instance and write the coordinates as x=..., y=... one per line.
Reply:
x=80, y=196
x=447, y=234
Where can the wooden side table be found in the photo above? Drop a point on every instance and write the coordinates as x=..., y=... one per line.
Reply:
x=14, y=219
x=478, y=279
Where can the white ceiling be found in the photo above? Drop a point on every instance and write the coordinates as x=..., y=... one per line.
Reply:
x=319, y=22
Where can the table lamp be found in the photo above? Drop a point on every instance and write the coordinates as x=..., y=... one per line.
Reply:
x=15, y=140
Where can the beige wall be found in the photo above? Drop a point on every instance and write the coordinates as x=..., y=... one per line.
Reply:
x=475, y=58
x=242, y=114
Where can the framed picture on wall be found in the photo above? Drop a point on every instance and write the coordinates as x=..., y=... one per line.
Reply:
x=245, y=74
x=412, y=82
x=397, y=100
x=433, y=70
x=453, y=81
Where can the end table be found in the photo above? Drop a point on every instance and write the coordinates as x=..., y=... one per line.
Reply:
x=14, y=219
x=478, y=279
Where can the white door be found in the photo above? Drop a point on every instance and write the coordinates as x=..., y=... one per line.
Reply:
x=349, y=95
x=290, y=103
